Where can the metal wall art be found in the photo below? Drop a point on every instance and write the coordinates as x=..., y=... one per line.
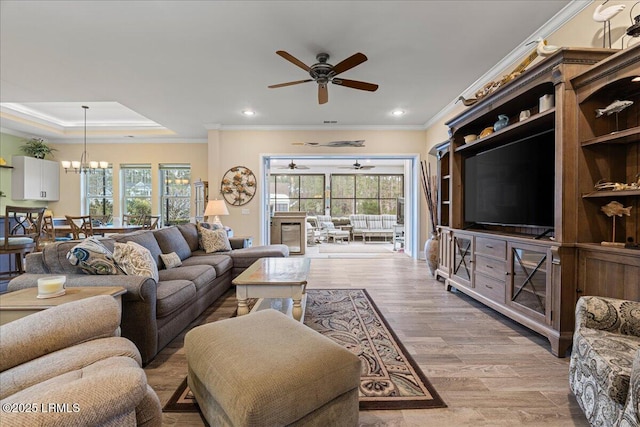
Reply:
x=238, y=186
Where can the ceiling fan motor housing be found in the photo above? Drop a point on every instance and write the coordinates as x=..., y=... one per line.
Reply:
x=321, y=71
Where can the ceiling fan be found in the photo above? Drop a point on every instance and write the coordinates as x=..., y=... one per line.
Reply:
x=358, y=143
x=293, y=166
x=323, y=73
x=357, y=166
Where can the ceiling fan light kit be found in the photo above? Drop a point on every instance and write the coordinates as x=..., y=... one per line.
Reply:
x=324, y=73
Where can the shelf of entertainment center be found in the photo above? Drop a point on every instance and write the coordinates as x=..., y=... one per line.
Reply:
x=535, y=125
x=626, y=136
x=620, y=193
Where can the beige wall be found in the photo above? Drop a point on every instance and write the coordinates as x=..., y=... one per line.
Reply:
x=244, y=148
x=116, y=154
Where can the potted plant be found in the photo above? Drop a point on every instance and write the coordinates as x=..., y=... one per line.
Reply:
x=36, y=147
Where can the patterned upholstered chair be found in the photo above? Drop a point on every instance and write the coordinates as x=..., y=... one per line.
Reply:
x=602, y=373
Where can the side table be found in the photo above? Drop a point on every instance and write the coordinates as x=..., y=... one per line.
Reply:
x=18, y=304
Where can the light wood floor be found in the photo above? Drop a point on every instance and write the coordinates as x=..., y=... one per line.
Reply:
x=489, y=370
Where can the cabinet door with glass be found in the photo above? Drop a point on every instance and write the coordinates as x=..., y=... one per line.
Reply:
x=529, y=269
x=462, y=255
x=201, y=196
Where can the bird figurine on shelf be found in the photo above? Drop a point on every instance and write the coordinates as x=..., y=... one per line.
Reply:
x=543, y=49
x=613, y=209
x=605, y=15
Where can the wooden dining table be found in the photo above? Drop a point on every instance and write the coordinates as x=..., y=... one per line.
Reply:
x=64, y=230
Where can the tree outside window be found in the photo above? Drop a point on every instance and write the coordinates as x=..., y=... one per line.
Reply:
x=176, y=194
x=365, y=194
x=137, y=189
x=289, y=192
x=99, y=192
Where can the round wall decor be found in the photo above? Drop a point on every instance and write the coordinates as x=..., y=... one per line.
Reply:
x=238, y=186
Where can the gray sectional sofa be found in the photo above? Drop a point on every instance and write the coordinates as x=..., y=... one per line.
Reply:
x=155, y=313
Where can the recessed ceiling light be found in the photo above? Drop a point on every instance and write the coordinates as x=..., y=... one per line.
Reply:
x=397, y=113
x=248, y=113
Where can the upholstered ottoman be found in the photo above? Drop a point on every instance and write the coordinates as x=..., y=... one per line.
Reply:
x=266, y=369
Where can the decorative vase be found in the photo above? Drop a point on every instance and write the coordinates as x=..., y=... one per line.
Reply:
x=431, y=253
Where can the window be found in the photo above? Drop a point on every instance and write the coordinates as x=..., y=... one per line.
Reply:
x=365, y=194
x=99, y=192
x=136, y=187
x=176, y=194
x=297, y=193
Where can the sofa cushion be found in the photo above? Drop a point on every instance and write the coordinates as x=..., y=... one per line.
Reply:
x=374, y=222
x=144, y=238
x=135, y=260
x=200, y=275
x=221, y=263
x=172, y=295
x=171, y=260
x=93, y=257
x=388, y=221
x=213, y=240
x=190, y=233
x=358, y=221
x=170, y=239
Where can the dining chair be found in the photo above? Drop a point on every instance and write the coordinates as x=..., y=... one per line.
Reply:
x=22, y=227
x=98, y=220
x=150, y=222
x=48, y=232
x=132, y=219
x=81, y=226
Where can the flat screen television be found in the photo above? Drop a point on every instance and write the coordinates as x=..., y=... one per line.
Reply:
x=512, y=184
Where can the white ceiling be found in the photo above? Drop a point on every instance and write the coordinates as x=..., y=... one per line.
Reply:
x=193, y=65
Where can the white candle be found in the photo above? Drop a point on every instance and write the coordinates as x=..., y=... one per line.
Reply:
x=51, y=285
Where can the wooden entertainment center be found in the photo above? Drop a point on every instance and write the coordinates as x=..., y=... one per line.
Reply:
x=534, y=275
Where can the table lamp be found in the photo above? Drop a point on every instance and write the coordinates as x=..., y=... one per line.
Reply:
x=215, y=208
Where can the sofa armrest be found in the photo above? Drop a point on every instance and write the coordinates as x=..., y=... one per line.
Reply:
x=109, y=397
x=59, y=327
x=138, y=304
x=631, y=412
x=608, y=314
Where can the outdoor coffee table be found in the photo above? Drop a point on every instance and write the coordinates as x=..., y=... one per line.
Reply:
x=272, y=278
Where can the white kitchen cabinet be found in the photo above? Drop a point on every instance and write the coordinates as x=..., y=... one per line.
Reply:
x=35, y=179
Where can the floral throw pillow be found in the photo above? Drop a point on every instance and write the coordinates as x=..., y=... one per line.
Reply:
x=171, y=260
x=135, y=260
x=93, y=257
x=213, y=240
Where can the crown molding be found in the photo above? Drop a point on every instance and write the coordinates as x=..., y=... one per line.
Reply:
x=322, y=127
x=522, y=50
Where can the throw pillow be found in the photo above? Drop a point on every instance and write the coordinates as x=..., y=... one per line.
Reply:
x=93, y=257
x=135, y=260
x=213, y=240
x=171, y=260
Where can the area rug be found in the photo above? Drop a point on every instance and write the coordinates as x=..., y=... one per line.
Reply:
x=390, y=378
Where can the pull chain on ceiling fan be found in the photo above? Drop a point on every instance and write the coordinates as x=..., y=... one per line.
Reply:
x=324, y=73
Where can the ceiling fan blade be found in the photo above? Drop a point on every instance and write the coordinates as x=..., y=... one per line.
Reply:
x=293, y=60
x=323, y=94
x=302, y=167
x=355, y=84
x=289, y=83
x=349, y=63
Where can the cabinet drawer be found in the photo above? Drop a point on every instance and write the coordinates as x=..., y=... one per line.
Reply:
x=491, y=247
x=490, y=287
x=491, y=267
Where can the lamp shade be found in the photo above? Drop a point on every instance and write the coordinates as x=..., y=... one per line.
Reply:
x=216, y=207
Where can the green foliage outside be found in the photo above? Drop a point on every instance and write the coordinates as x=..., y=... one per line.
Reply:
x=138, y=207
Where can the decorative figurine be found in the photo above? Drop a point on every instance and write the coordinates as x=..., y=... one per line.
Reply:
x=613, y=209
x=502, y=122
x=614, y=107
x=486, y=132
x=604, y=16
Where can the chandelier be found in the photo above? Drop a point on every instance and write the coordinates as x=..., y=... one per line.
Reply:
x=84, y=165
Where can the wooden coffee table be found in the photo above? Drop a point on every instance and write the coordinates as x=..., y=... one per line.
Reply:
x=274, y=278
x=17, y=304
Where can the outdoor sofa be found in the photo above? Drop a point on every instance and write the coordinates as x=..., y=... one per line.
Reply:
x=155, y=312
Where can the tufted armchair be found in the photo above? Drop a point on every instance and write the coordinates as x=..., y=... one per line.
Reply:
x=604, y=373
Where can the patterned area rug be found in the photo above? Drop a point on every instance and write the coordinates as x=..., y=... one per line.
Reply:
x=390, y=378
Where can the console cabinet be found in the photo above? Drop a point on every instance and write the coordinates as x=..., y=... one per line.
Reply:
x=35, y=179
x=525, y=273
